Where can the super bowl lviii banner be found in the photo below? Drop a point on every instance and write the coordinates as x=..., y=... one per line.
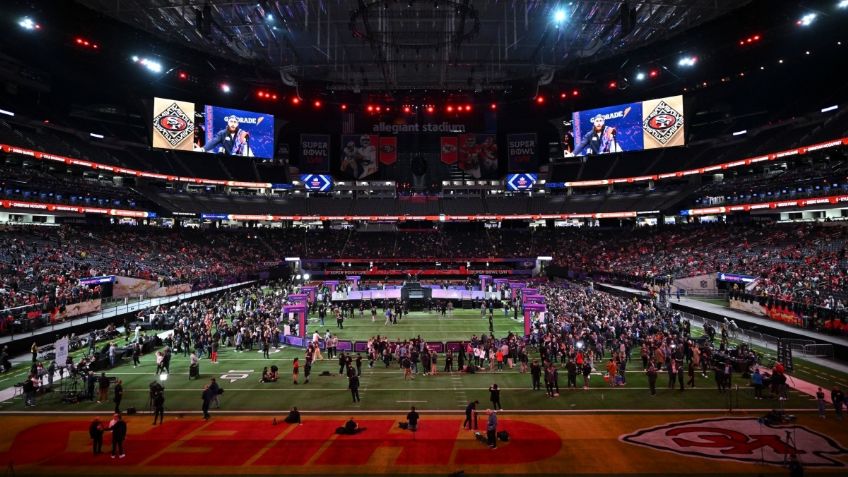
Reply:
x=521, y=152
x=388, y=150
x=173, y=124
x=450, y=144
x=478, y=155
x=315, y=153
x=359, y=155
x=629, y=127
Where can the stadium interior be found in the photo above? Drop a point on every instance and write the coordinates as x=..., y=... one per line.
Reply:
x=371, y=221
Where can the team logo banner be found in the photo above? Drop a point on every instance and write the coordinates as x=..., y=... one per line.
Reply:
x=449, y=149
x=662, y=122
x=521, y=152
x=315, y=152
x=359, y=155
x=173, y=124
x=388, y=150
x=478, y=155
x=741, y=440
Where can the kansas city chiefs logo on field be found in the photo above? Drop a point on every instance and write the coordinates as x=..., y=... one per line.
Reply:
x=742, y=440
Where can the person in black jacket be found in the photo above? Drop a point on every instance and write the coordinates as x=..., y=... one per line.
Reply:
x=95, y=431
x=119, y=433
x=495, y=396
x=159, y=406
x=353, y=385
x=119, y=395
x=536, y=374
x=207, y=397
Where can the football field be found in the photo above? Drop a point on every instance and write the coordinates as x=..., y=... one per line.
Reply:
x=384, y=388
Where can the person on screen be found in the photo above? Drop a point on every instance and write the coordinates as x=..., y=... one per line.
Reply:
x=600, y=140
x=488, y=153
x=230, y=141
x=360, y=161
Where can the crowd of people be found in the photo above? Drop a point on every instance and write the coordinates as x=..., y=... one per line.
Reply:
x=803, y=264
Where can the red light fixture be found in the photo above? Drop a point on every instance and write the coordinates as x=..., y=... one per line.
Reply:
x=317, y=103
x=377, y=108
x=295, y=100
x=575, y=93
x=653, y=73
x=406, y=109
x=273, y=96
x=344, y=107
x=540, y=100
x=430, y=109
x=370, y=108
x=563, y=95
x=449, y=109
x=182, y=75
x=493, y=106
x=468, y=107
x=612, y=85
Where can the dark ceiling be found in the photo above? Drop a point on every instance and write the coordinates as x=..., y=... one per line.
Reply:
x=420, y=44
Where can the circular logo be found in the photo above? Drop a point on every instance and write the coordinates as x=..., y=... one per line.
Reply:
x=662, y=121
x=173, y=123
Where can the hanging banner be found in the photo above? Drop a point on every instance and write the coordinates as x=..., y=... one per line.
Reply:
x=388, y=150
x=359, y=155
x=521, y=152
x=449, y=149
x=478, y=155
x=314, y=153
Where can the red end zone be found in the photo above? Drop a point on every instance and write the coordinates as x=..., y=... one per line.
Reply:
x=622, y=444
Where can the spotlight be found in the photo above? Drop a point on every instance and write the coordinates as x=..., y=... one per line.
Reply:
x=449, y=109
x=575, y=93
x=182, y=75
x=467, y=107
x=306, y=276
x=406, y=109
x=28, y=23
x=295, y=100
x=540, y=99
x=842, y=4
x=688, y=61
x=559, y=16
x=317, y=103
x=225, y=88
x=563, y=96
x=430, y=109
x=807, y=19
x=298, y=276
x=612, y=85
x=579, y=345
x=640, y=76
x=370, y=108
x=493, y=106
x=344, y=107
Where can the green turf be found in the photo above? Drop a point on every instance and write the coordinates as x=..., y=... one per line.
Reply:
x=385, y=389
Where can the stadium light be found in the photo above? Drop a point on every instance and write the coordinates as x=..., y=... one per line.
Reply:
x=298, y=276
x=152, y=65
x=739, y=133
x=96, y=136
x=28, y=23
x=559, y=16
x=7, y=113
x=640, y=76
x=225, y=88
x=807, y=20
x=687, y=61
x=306, y=276
x=824, y=110
x=842, y=4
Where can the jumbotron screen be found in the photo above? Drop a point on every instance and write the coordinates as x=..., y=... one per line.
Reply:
x=627, y=127
x=185, y=126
